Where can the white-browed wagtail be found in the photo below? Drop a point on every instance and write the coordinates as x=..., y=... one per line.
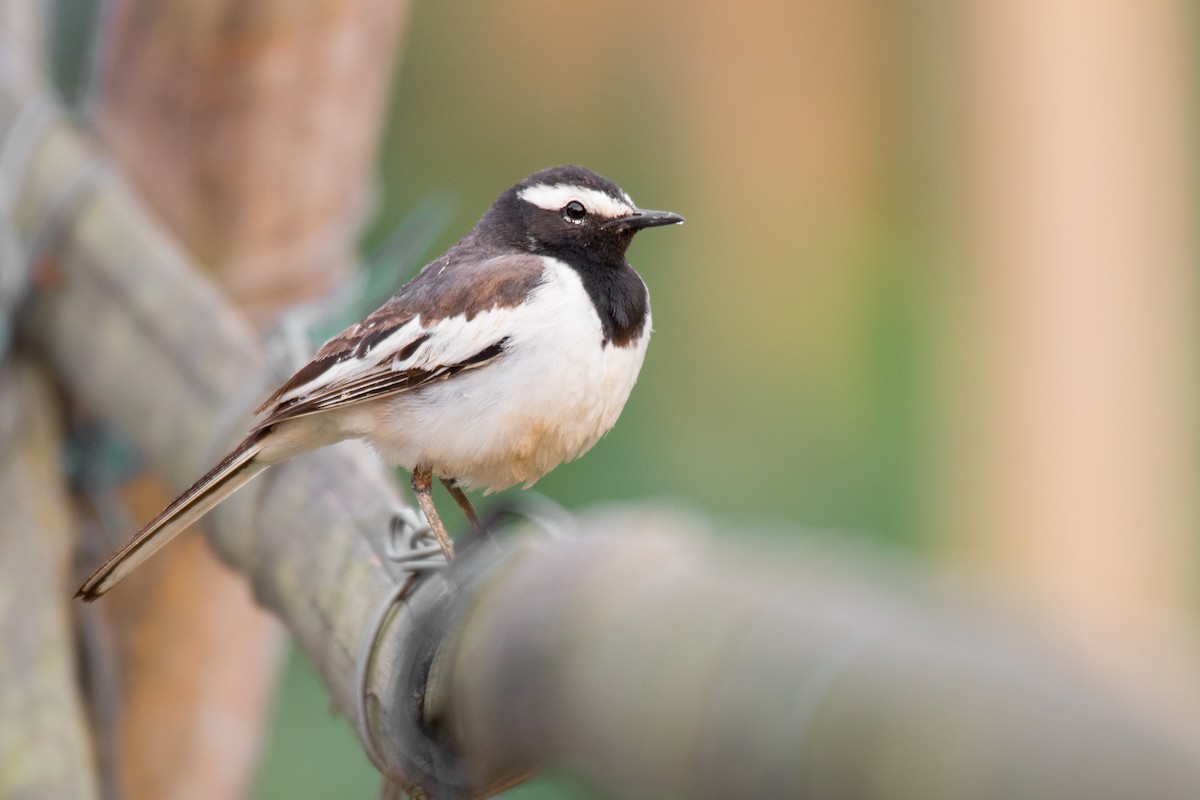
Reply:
x=511, y=353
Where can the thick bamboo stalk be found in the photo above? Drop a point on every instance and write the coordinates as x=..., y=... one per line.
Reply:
x=1075, y=464
x=657, y=663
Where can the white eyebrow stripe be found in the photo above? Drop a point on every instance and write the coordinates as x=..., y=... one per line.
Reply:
x=553, y=197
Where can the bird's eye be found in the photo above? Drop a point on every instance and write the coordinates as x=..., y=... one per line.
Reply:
x=574, y=210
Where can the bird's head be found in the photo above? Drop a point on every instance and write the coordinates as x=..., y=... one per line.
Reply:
x=565, y=210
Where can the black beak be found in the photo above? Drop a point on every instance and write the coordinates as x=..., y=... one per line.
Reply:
x=644, y=219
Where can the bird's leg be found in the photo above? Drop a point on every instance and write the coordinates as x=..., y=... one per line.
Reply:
x=463, y=501
x=422, y=484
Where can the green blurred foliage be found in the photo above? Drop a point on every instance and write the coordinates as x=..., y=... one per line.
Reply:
x=312, y=753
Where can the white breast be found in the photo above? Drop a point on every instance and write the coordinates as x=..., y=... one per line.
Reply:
x=553, y=394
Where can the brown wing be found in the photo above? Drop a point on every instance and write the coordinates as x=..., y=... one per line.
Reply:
x=458, y=285
x=354, y=342
x=374, y=383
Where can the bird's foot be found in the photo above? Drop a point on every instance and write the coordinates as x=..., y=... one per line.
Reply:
x=422, y=484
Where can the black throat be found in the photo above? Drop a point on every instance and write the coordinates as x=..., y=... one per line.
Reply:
x=617, y=292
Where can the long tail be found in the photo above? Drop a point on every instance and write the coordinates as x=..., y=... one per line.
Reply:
x=234, y=471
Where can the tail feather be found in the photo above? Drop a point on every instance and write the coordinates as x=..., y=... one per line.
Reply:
x=234, y=471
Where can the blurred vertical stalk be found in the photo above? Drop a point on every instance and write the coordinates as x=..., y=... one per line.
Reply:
x=250, y=128
x=45, y=750
x=1075, y=429
x=45, y=747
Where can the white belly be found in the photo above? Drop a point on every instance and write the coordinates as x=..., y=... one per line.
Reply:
x=552, y=395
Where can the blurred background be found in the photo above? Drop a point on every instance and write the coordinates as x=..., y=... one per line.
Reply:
x=937, y=288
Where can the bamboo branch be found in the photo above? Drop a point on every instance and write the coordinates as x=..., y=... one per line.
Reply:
x=659, y=662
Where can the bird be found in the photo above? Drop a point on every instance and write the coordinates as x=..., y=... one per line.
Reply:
x=511, y=353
